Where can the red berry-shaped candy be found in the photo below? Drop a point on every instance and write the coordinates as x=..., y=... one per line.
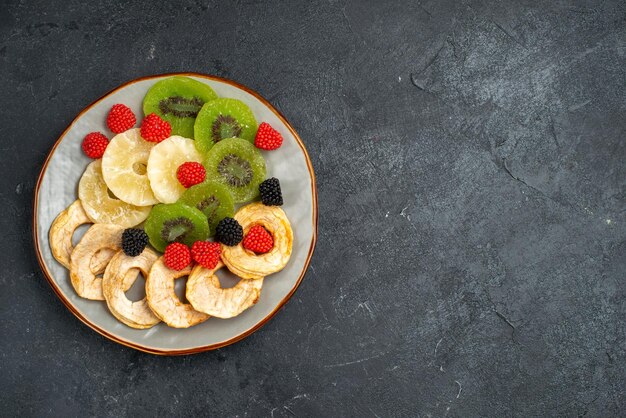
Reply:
x=258, y=240
x=177, y=256
x=120, y=118
x=206, y=253
x=155, y=129
x=190, y=173
x=95, y=144
x=267, y=138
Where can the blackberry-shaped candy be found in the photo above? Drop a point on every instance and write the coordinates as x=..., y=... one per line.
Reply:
x=134, y=241
x=270, y=192
x=229, y=232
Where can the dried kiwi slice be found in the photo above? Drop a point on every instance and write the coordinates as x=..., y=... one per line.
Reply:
x=237, y=164
x=211, y=198
x=178, y=100
x=175, y=222
x=223, y=118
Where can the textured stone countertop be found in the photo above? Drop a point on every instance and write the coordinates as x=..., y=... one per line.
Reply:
x=471, y=167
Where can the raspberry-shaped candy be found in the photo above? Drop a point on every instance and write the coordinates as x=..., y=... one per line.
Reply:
x=177, y=256
x=155, y=129
x=206, y=253
x=268, y=138
x=120, y=118
x=95, y=144
x=190, y=173
x=258, y=240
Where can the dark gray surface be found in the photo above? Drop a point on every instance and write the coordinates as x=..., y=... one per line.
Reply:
x=470, y=159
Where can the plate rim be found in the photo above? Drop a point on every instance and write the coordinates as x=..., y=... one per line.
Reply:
x=195, y=350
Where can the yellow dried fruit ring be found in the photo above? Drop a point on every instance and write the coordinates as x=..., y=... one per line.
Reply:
x=164, y=302
x=205, y=293
x=248, y=265
x=100, y=206
x=119, y=276
x=97, y=238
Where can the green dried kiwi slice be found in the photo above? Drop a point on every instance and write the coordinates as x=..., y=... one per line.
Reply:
x=211, y=198
x=223, y=118
x=175, y=222
x=178, y=101
x=237, y=164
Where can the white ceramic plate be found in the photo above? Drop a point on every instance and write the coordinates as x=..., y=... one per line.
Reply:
x=57, y=188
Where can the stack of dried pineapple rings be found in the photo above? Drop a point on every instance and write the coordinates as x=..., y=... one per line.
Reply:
x=99, y=252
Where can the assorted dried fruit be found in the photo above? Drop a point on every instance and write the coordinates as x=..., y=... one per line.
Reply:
x=172, y=184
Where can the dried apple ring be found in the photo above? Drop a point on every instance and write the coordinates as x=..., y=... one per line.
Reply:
x=248, y=265
x=205, y=293
x=100, y=260
x=96, y=239
x=119, y=276
x=63, y=228
x=164, y=302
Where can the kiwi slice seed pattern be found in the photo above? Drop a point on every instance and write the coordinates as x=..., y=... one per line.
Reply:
x=176, y=229
x=212, y=199
x=225, y=126
x=175, y=222
x=238, y=165
x=235, y=170
x=221, y=119
x=178, y=100
x=181, y=107
x=208, y=206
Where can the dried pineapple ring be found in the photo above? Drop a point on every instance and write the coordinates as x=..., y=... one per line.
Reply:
x=100, y=206
x=205, y=293
x=164, y=302
x=97, y=238
x=248, y=265
x=124, y=165
x=63, y=228
x=119, y=276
